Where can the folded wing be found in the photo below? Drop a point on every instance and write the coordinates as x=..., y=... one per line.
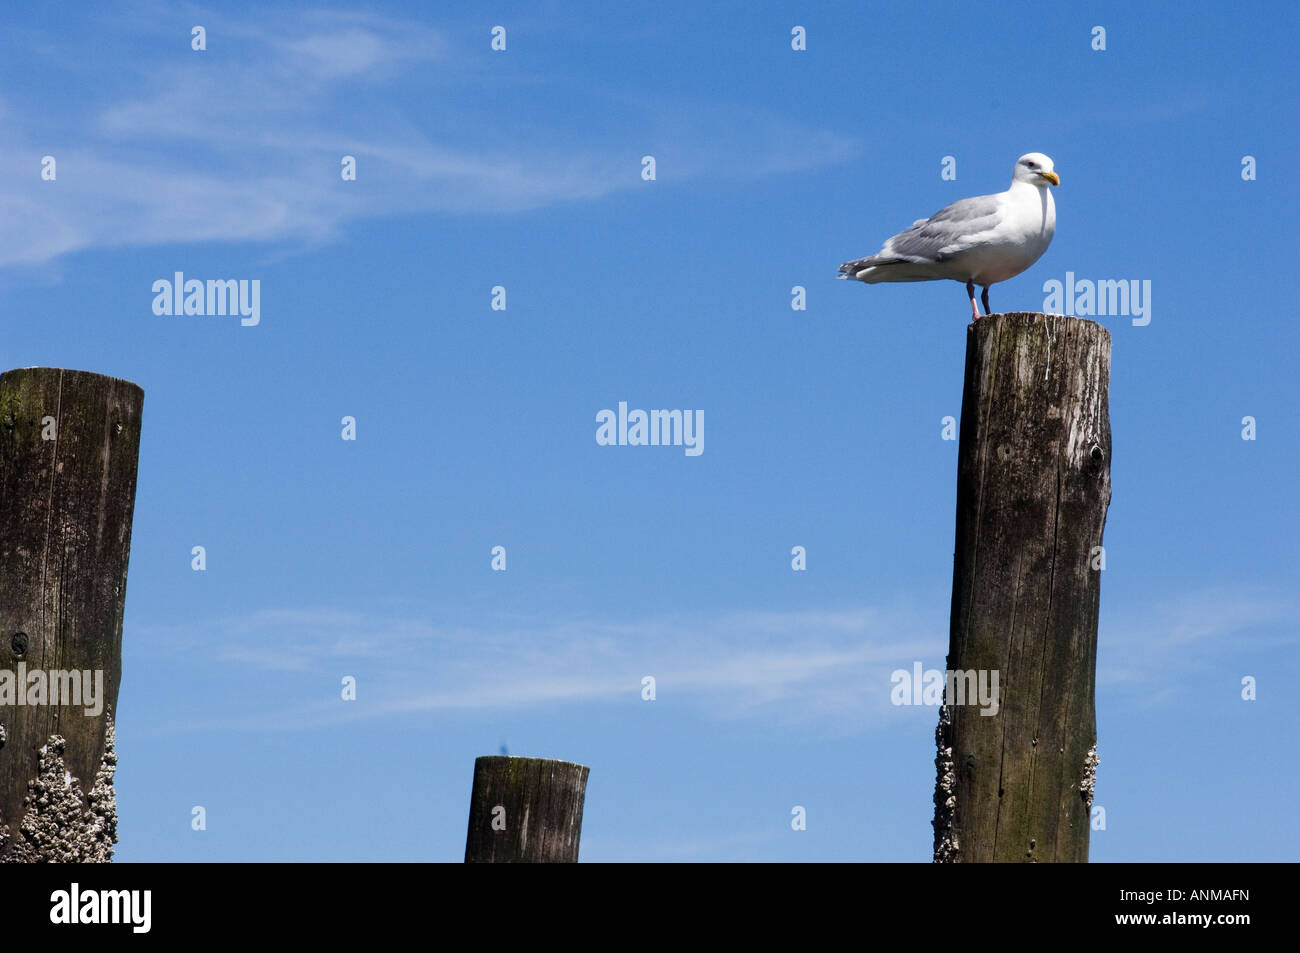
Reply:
x=930, y=241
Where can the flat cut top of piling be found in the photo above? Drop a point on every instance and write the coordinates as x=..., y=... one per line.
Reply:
x=515, y=757
x=72, y=370
x=1031, y=317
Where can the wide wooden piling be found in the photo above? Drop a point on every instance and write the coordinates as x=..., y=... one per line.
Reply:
x=525, y=810
x=1033, y=486
x=69, y=445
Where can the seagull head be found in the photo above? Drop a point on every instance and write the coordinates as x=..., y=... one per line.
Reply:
x=1036, y=169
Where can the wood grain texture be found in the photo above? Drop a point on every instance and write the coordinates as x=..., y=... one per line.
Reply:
x=536, y=804
x=1033, y=487
x=67, y=496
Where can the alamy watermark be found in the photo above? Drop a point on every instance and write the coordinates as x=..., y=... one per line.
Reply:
x=655, y=428
x=69, y=687
x=1084, y=297
x=953, y=687
x=215, y=296
x=128, y=907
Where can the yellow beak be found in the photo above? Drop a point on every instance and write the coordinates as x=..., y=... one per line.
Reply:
x=1051, y=177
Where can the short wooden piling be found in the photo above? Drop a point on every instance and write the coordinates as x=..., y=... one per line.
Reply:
x=69, y=446
x=526, y=810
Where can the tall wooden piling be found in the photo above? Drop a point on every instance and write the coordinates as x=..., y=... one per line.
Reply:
x=525, y=810
x=1033, y=486
x=69, y=445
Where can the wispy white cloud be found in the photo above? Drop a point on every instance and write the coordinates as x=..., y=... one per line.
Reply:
x=792, y=666
x=243, y=143
x=831, y=667
x=1147, y=650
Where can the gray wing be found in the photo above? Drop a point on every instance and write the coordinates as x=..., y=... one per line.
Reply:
x=946, y=233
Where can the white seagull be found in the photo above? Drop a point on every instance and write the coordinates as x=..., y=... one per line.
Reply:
x=980, y=240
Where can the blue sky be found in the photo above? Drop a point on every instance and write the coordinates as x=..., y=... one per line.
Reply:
x=476, y=428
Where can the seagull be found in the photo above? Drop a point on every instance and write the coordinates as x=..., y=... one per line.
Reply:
x=980, y=240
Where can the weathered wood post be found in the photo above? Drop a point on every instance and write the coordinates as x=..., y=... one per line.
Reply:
x=525, y=810
x=69, y=444
x=1033, y=485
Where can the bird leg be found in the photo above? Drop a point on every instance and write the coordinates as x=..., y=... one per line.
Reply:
x=974, y=311
x=985, y=298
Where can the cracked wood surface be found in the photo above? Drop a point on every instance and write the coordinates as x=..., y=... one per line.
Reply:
x=525, y=810
x=1033, y=487
x=69, y=447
